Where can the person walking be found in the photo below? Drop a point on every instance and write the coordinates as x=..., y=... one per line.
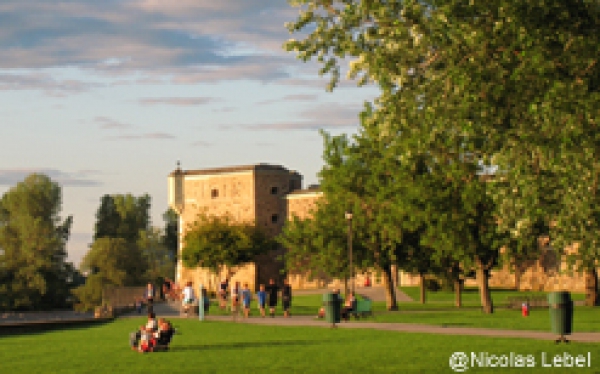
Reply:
x=235, y=299
x=188, y=297
x=272, y=291
x=246, y=298
x=262, y=300
x=286, y=298
x=149, y=295
x=223, y=294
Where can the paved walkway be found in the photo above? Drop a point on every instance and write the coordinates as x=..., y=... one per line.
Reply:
x=169, y=312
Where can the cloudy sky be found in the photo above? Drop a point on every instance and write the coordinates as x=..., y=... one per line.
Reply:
x=106, y=96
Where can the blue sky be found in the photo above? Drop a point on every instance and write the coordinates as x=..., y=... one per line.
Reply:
x=106, y=96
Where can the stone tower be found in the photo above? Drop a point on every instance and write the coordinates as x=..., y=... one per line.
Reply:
x=250, y=193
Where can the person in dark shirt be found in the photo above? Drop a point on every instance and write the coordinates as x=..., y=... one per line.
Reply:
x=272, y=291
x=223, y=293
x=286, y=297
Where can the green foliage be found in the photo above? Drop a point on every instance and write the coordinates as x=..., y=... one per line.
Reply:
x=317, y=245
x=157, y=257
x=109, y=262
x=34, y=273
x=466, y=85
x=170, y=237
x=217, y=241
x=122, y=216
x=126, y=251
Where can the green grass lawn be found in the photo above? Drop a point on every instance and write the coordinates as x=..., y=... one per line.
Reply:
x=470, y=296
x=220, y=347
x=440, y=311
x=585, y=319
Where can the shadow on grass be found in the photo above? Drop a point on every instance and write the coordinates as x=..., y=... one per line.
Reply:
x=248, y=344
x=30, y=328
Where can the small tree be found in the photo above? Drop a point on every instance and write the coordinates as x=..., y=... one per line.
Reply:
x=110, y=262
x=215, y=242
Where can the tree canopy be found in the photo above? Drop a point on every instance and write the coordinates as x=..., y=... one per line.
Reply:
x=126, y=250
x=34, y=273
x=470, y=85
x=218, y=241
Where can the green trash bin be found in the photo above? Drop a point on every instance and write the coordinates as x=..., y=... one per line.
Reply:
x=561, y=313
x=331, y=303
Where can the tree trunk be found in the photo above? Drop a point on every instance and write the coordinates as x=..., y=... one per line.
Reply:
x=390, y=288
x=345, y=286
x=458, y=285
x=422, y=288
x=484, y=288
x=591, y=287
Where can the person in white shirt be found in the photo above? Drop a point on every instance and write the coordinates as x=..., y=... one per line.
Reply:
x=235, y=298
x=188, y=297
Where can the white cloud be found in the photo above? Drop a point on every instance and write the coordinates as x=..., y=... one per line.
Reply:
x=326, y=115
x=81, y=178
x=31, y=80
x=179, y=101
x=146, y=136
x=109, y=123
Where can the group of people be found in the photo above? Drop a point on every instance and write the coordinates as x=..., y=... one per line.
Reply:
x=154, y=335
x=266, y=296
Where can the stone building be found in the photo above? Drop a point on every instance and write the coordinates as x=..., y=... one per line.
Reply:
x=249, y=193
x=271, y=194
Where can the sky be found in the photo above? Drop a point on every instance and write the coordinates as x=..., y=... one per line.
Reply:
x=106, y=96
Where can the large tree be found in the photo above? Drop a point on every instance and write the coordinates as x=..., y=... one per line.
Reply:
x=124, y=243
x=357, y=178
x=504, y=82
x=34, y=272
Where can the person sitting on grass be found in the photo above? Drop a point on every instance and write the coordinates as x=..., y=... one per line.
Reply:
x=163, y=336
x=144, y=334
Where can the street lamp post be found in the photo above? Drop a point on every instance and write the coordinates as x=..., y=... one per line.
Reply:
x=349, y=219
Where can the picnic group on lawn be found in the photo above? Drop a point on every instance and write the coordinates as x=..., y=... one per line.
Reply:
x=156, y=334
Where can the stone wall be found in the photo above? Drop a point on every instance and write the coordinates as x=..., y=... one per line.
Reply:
x=301, y=203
